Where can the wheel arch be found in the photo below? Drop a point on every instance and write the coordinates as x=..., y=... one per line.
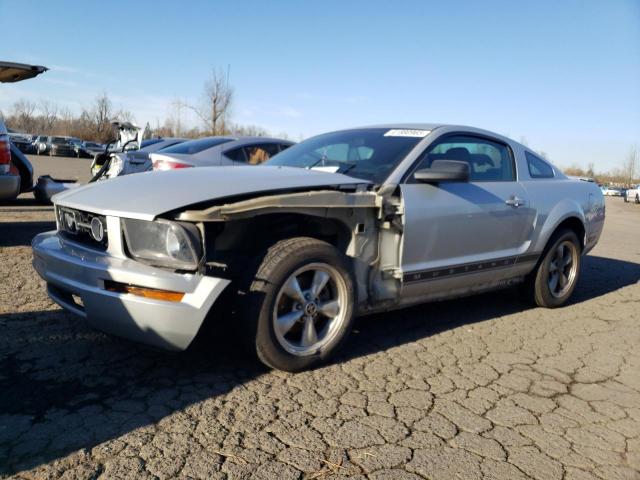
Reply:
x=256, y=234
x=572, y=221
x=574, y=224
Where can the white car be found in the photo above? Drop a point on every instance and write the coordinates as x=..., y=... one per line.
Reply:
x=632, y=194
x=611, y=192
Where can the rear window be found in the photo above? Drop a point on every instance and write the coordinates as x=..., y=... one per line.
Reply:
x=196, y=146
x=168, y=144
x=538, y=168
x=150, y=141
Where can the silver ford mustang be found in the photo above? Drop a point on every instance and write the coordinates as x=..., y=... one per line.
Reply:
x=343, y=224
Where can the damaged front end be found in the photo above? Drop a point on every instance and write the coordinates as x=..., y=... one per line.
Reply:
x=357, y=221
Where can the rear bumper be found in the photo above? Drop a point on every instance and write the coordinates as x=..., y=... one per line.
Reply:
x=9, y=186
x=73, y=270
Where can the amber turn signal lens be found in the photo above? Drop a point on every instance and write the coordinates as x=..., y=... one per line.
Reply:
x=152, y=293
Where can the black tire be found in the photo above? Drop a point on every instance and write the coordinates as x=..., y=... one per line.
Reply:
x=537, y=285
x=257, y=306
x=637, y=198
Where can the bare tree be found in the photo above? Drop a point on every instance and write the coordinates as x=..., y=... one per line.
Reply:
x=173, y=125
x=49, y=116
x=247, y=130
x=216, y=104
x=102, y=114
x=24, y=115
x=64, y=124
x=123, y=116
x=630, y=166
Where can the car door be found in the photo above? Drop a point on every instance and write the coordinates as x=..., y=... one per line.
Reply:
x=463, y=234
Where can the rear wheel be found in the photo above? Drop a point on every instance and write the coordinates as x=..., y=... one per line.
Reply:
x=637, y=198
x=300, y=305
x=553, y=281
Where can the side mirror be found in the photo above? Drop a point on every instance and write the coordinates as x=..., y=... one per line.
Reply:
x=444, y=171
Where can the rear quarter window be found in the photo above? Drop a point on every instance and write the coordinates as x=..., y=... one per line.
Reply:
x=538, y=168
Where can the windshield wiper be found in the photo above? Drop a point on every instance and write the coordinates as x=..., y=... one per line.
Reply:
x=348, y=168
x=322, y=159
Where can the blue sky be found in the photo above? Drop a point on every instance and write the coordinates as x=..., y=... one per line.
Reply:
x=564, y=75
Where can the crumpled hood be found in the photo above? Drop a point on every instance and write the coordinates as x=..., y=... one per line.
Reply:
x=147, y=195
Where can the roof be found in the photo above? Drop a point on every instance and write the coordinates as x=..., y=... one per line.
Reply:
x=406, y=126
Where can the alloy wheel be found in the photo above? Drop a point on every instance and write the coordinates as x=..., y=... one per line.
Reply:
x=310, y=309
x=562, y=268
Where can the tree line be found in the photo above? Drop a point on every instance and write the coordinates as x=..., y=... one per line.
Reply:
x=46, y=118
x=624, y=176
x=93, y=123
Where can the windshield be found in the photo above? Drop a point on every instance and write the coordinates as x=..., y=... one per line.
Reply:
x=368, y=153
x=59, y=140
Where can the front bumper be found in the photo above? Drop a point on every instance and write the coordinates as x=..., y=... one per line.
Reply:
x=72, y=270
x=63, y=151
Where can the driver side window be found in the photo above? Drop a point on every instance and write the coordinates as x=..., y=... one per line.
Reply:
x=488, y=161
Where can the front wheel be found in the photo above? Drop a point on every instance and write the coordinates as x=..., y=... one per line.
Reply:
x=300, y=305
x=637, y=198
x=553, y=281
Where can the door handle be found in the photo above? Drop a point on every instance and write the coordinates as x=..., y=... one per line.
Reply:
x=514, y=202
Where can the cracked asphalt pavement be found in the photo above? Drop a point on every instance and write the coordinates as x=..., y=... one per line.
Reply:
x=484, y=387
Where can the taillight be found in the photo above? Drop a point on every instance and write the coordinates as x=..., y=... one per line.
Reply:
x=5, y=155
x=168, y=165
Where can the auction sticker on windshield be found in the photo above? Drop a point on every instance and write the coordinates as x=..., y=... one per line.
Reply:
x=407, y=133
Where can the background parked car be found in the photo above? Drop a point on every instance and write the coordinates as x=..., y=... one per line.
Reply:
x=75, y=142
x=40, y=144
x=61, y=146
x=23, y=142
x=16, y=172
x=219, y=151
x=632, y=194
x=88, y=149
x=136, y=161
x=611, y=192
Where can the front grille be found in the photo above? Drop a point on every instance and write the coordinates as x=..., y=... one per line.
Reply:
x=83, y=227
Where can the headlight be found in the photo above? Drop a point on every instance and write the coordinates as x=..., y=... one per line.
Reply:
x=115, y=167
x=163, y=243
